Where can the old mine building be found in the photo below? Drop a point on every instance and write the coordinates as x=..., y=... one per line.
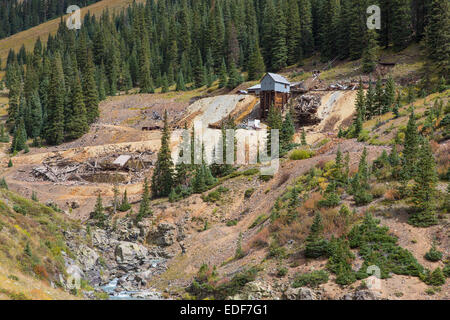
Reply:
x=275, y=89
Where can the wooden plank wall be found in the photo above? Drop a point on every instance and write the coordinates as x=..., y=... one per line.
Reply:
x=279, y=100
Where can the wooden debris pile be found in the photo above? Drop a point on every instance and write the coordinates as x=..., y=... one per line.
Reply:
x=305, y=109
x=102, y=169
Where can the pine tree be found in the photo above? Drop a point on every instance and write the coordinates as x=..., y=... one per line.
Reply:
x=165, y=84
x=379, y=98
x=401, y=24
x=256, y=67
x=293, y=36
x=306, y=21
x=357, y=29
x=360, y=101
x=99, y=212
x=76, y=120
x=370, y=101
x=397, y=105
x=35, y=122
x=144, y=207
x=124, y=205
x=54, y=132
x=199, y=183
x=287, y=131
x=234, y=77
x=424, y=189
x=162, y=180
x=410, y=147
x=199, y=79
x=3, y=184
x=363, y=170
x=279, y=48
x=370, y=55
x=389, y=94
x=316, y=245
x=303, y=137
x=180, y=82
x=90, y=91
x=437, y=35
x=20, y=137
x=223, y=77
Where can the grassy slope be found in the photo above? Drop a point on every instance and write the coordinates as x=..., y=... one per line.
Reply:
x=27, y=273
x=29, y=37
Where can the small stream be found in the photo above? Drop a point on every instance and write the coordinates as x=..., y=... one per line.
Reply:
x=118, y=292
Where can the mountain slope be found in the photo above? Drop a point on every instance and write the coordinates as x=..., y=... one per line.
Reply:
x=29, y=37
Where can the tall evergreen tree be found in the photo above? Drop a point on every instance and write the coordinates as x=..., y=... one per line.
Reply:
x=401, y=23
x=279, y=49
x=437, y=35
x=410, y=147
x=424, y=188
x=256, y=67
x=370, y=55
x=144, y=207
x=162, y=179
x=76, y=120
x=90, y=90
x=55, y=112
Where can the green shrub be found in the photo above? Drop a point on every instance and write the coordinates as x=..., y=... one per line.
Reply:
x=362, y=197
x=265, y=178
x=340, y=261
x=179, y=193
x=446, y=270
x=205, y=284
x=301, y=154
x=215, y=195
x=276, y=251
x=231, y=223
x=331, y=200
x=322, y=142
x=364, y=136
x=259, y=220
x=248, y=193
x=282, y=271
x=378, y=247
x=435, y=278
x=312, y=279
x=19, y=209
x=433, y=255
x=3, y=184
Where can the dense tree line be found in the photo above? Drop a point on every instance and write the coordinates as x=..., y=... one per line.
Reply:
x=16, y=16
x=55, y=89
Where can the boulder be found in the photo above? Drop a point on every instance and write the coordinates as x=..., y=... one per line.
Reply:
x=99, y=238
x=361, y=295
x=255, y=290
x=87, y=257
x=165, y=234
x=130, y=255
x=301, y=293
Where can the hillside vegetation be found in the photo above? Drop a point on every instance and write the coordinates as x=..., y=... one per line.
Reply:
x=32, y=246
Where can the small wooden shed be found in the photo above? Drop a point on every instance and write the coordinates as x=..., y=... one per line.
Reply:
x=275, y=89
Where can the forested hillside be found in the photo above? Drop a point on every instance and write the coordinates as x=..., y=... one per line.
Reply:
x=55, y=97
x=18, y=15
